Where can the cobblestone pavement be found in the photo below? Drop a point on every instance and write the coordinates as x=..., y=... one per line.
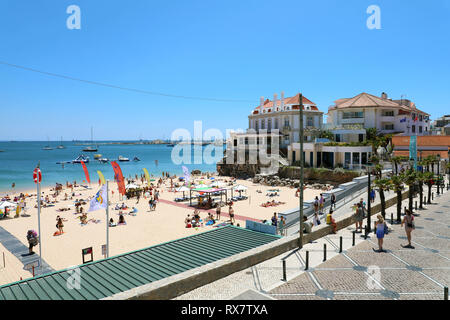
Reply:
x=404, y=273
x=400, y=273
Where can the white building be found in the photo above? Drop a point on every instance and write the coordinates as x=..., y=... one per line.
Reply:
x=369, y=111
x=283, y=114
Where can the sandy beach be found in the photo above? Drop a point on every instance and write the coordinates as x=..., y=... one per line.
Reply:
x=145, y=229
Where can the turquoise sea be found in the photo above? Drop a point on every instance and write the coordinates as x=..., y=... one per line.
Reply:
x=18, y=160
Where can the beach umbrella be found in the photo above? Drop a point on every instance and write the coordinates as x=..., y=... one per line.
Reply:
x=4, y=204
x=182, y=189
x=240, y=187
x=217, y=184
x=132, y=186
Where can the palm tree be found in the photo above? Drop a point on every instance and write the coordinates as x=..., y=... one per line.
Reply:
x=447, y=167
x=420, y=180
x=410, y=179
x=397, y=185
x=383, y=185
x=431, y=159
x=372, y=138
x=326, y=134
x=397, y=160
x=428, y=179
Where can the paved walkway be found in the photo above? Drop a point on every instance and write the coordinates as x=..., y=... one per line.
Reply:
x=20, y=251
x=400, y=273
x=353, y=274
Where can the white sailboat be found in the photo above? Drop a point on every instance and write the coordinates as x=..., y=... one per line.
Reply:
x=61, y=146
x=91, y=148
x=47, y=147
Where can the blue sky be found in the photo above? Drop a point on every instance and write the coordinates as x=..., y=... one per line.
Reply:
x=238, y=50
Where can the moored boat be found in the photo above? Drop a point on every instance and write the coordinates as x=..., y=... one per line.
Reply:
x=123, y=159
x=80, y=158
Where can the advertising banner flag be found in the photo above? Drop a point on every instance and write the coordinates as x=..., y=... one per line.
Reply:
x=413, y=150
x=187, y=176
x=86, y=172
x=118, y=177
x=147, y=176
x=101, y=176
x=100, y=200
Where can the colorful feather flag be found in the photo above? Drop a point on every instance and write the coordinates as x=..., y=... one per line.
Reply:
x=86, y=172
x=118, y=177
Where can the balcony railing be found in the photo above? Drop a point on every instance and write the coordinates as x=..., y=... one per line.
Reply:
x=350, y=126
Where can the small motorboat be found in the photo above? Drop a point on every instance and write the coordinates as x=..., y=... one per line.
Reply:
x=97, y=156
x=90, y=149
x=80, y=158
x=103, y=160
x=171, y=145
x=136, y=159
x=123, y=159
x=47, y=148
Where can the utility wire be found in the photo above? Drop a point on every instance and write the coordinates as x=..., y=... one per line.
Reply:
x=118, y=87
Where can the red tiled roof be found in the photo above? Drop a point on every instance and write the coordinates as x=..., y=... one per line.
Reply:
x=364, y=100
x=289, y=100
x=422, y=141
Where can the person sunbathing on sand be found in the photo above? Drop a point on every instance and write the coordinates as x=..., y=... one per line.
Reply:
x=121, y=219
x=112, y=223
x=83, y=218
x=187, y=221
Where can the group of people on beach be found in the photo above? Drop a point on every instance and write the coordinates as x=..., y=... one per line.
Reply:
x=195, y=221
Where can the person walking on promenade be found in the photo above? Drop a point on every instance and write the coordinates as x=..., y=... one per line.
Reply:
x=372, y=195
x=275, y=220
x=380, y=230
x=281, y=225
x=333, y=201
x=359, y=217
x=408, y=221
x=321, y=204
x=316, y=205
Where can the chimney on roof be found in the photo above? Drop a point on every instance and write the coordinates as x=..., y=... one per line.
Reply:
x=275, y=98
x=261, y=101
x=384, y=95
x=282, y=99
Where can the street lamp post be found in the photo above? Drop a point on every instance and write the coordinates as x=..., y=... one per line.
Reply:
x=438, y=180
x=369, y=210
x=301, y=171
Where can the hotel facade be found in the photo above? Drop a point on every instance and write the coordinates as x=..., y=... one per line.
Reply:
x=347, y=121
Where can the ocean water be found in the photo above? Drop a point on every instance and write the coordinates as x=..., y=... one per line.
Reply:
x=18, y=160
